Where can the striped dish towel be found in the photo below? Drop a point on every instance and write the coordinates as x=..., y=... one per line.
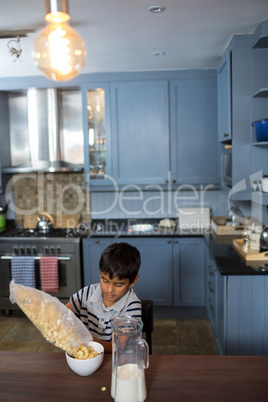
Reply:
x=49, y=274
x=23, y=270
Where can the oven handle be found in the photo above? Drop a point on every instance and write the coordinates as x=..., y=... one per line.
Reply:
x=9, y=257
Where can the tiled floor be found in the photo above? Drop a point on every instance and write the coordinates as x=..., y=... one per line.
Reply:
x=170, y=336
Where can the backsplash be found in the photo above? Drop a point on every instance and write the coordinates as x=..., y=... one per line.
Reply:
x=56, y=193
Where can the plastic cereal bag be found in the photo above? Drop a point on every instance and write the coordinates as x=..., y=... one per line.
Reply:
x=58, y=324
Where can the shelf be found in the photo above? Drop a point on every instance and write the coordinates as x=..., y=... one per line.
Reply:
x=260, y=144
x=244, y=195
x=261, y=93
x=260, y=198
x=262, y=43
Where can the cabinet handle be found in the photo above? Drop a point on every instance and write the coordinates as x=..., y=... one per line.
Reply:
x=169, y=241
x=176, y=242
x=97, y=241
x=226, y=135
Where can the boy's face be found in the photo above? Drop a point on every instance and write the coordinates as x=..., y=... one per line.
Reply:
x=114, y=289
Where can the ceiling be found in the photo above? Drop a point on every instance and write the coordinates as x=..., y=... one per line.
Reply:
x=122, y=35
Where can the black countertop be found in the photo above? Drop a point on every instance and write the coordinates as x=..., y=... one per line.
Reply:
x=220, y=247
x=227, y=259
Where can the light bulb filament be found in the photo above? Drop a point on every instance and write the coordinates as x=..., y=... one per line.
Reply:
x=59, y=51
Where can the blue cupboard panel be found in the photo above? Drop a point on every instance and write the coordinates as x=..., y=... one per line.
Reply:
x=247, y=327
x=189, y=276
x=224, y=98
x=92, y=249
x=195, y=148
x=140, y=132
x=155, y=280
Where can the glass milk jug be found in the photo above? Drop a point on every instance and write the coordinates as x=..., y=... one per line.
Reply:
x=130, y=358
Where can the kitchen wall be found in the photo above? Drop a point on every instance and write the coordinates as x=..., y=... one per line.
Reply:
x=58, y=193
x=64, y=193
x=152, y=204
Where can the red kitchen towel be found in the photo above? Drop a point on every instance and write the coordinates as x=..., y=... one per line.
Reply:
x=49, y=273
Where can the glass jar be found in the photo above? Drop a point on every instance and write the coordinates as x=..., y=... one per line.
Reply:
x=129, y=359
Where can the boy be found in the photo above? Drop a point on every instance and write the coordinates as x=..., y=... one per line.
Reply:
x=97, y=304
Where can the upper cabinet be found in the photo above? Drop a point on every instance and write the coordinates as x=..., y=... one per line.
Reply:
x=194, y=144
x=140, y=132
x=225, y=98
x=152, y=132
x=96, y=127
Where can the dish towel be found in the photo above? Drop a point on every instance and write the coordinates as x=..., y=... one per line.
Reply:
x=23, y=270
x=49, y=274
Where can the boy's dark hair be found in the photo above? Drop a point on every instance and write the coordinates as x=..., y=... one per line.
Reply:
x=122, y=260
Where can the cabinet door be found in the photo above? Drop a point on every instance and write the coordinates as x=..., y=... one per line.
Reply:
x=224, y=98
x=189, y=281
x=92, y=249
x=97, y=141
x=155, y=282
x=247, y=320
x=220, y=308
x=210, y=289
x=194, y=144
x=140, y=132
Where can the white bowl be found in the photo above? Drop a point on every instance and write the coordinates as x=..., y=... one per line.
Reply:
x=88, y=366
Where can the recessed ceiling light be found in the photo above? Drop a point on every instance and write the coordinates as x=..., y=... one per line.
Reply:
x=156, y=9
x=159, y=53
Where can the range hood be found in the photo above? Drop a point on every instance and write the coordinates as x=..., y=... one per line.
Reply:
x=43, y=124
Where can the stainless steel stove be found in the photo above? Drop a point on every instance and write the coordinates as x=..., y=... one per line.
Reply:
x=63, y=243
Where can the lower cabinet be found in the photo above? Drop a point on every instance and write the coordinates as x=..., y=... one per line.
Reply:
x=171, y=272
x=155, y=282
x=92, y=249
x=189, y=283
x=237, y=307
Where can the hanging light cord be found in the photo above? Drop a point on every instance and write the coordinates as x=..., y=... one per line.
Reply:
x=15, y=51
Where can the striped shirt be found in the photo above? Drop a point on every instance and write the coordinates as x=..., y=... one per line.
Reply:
x=88, y=305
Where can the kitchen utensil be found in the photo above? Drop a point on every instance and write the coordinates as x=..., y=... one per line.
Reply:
x=234, y=215
x=261, y=129
x=167, y=225
x=264, y=239
x=45, y=223
x=254, y=240
x=130, y=358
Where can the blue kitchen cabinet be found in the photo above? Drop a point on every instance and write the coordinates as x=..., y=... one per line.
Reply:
x=156, y=271
x=224, y=98
x=140, y=132
x=189, y=263
x=194, y=144
x=92, y=249
x=216, y=301
x=246, y=315
x=210, y=269
x=236, y=306
x=220, y=311
x=171, y=272
x=97, y=136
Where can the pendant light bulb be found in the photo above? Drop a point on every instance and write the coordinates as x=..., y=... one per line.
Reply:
x=59, y=51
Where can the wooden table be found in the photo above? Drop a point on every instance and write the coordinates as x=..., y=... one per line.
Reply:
x=31, y=376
